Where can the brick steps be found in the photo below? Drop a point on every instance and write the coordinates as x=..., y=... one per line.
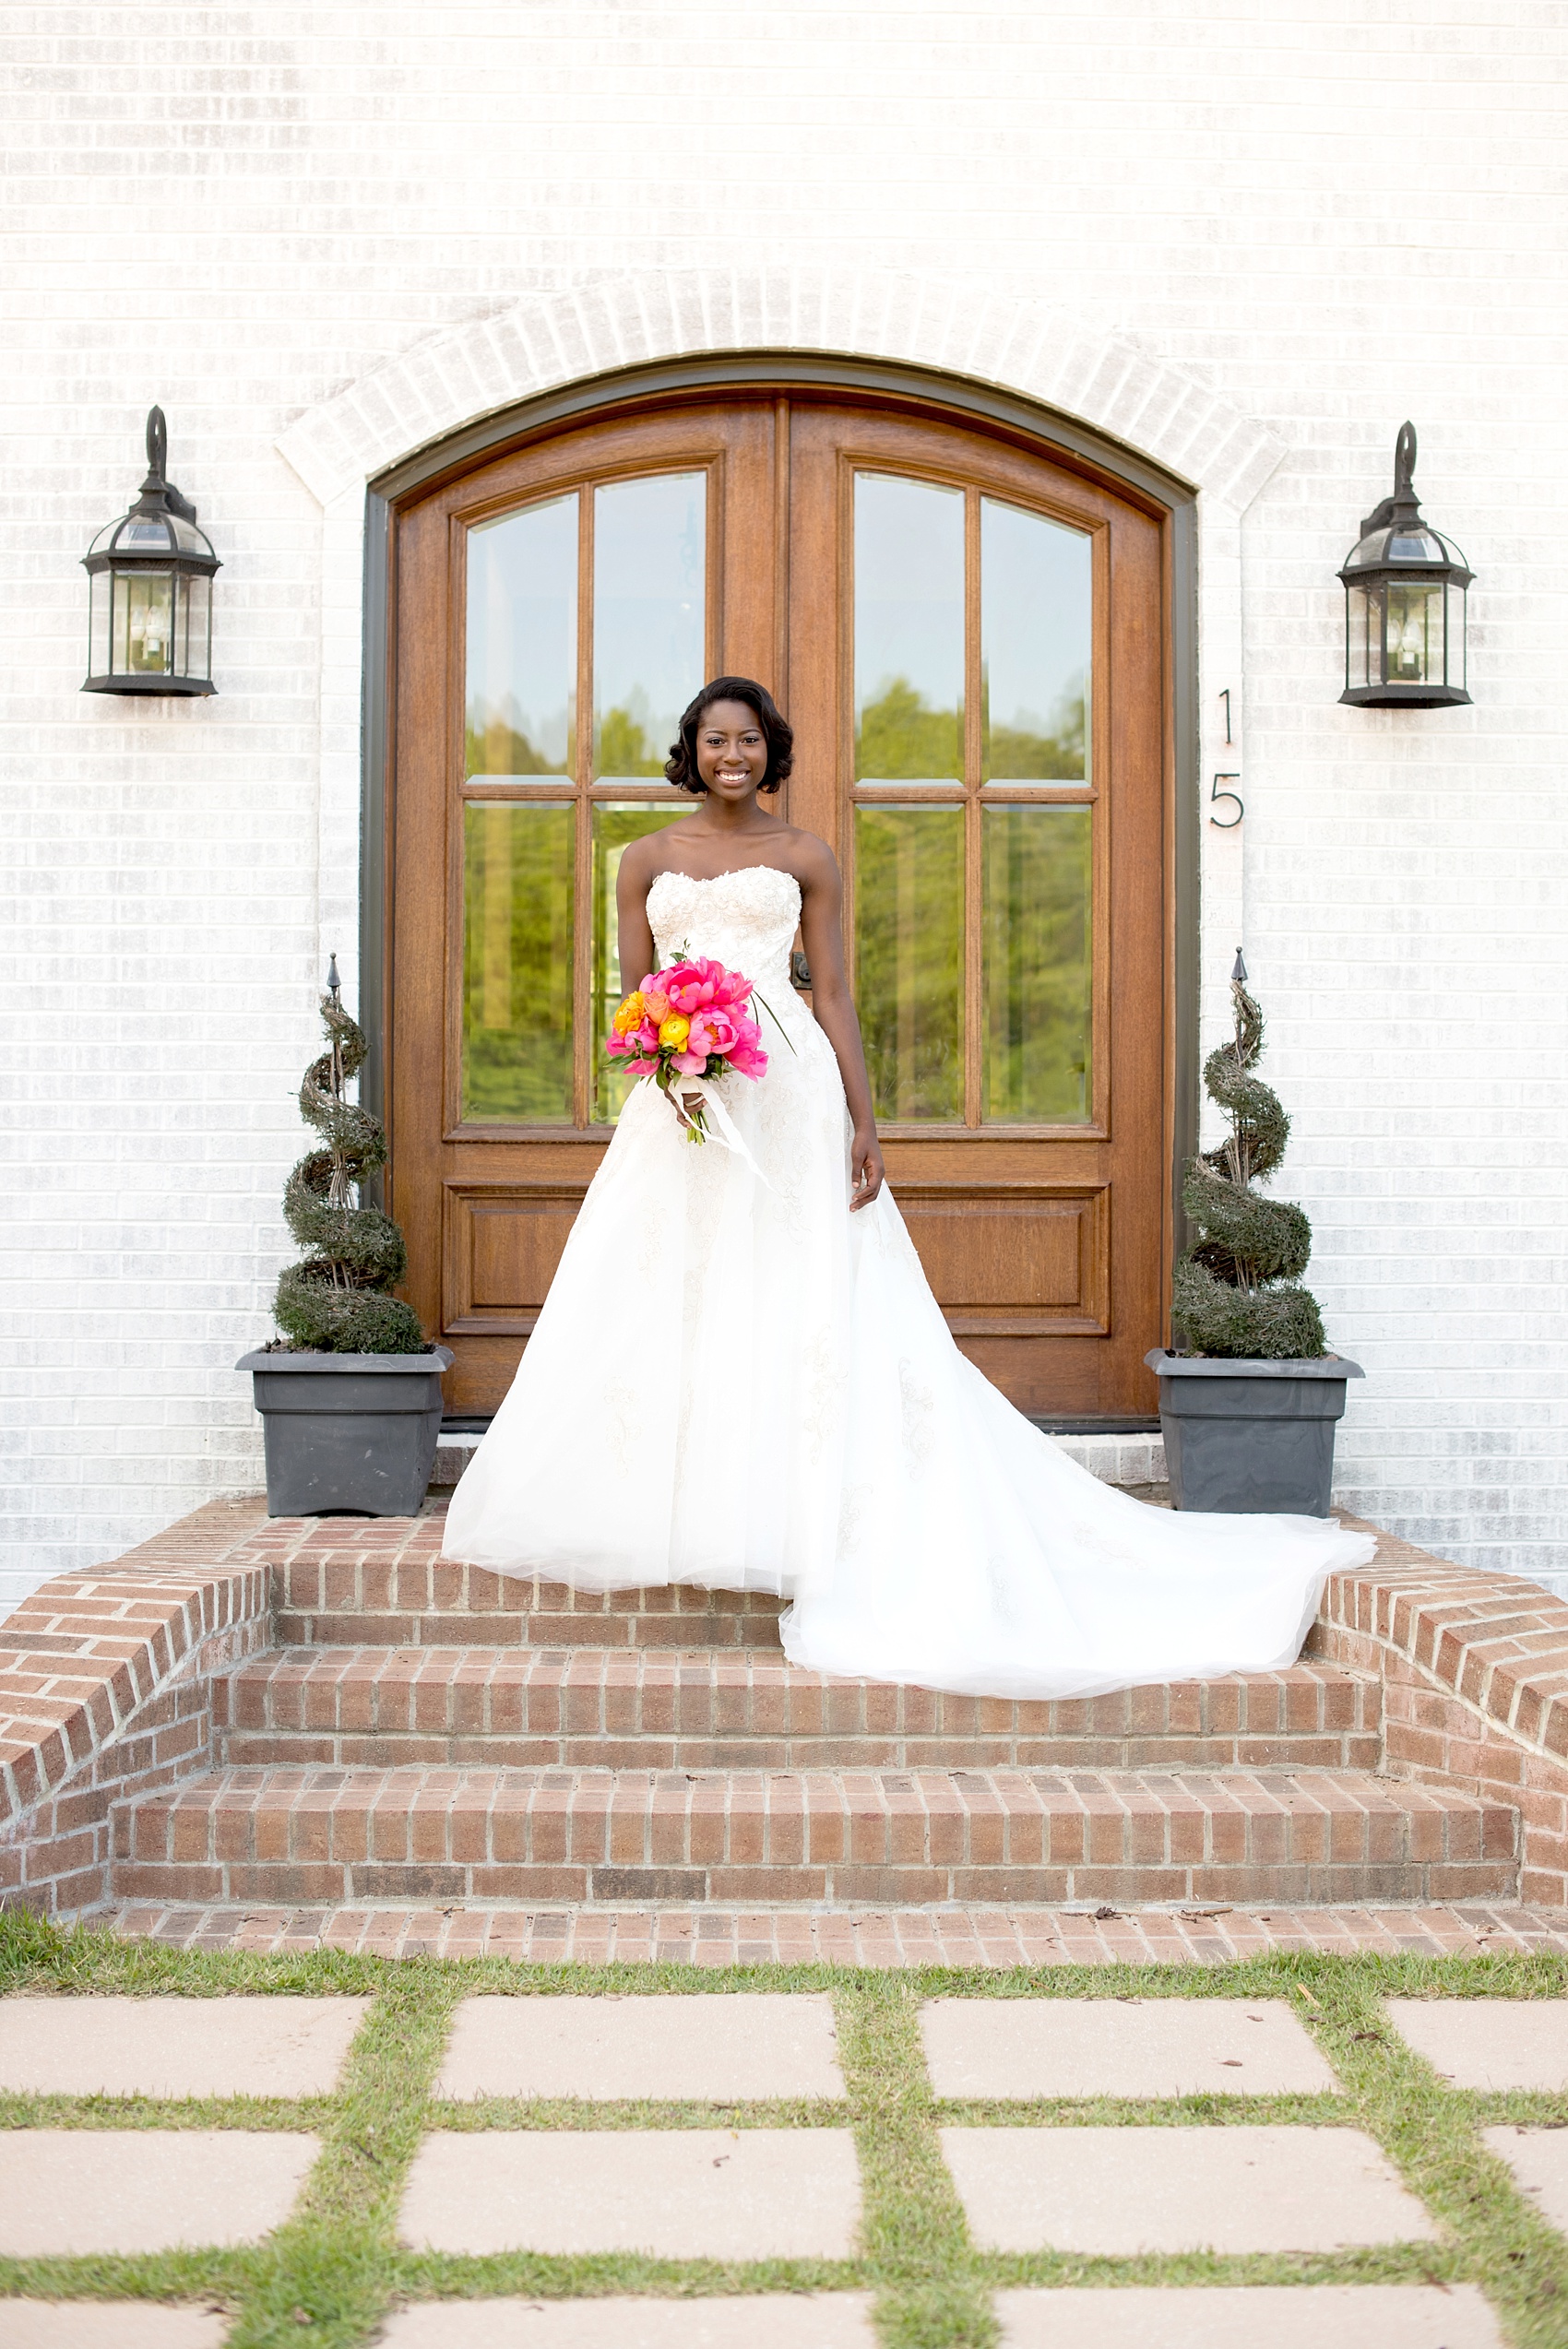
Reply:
x=414, y=1598
x=601, y=1836
x=655, y=1708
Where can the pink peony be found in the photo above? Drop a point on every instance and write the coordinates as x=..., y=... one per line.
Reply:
x=713, y=1031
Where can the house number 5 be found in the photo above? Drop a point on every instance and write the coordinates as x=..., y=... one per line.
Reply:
x=1227, y=822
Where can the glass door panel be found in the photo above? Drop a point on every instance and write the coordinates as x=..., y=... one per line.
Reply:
x=908, y=631
x=521, y=692
x=1036, y=965
x=518, y=933
x=648, y=619
x=909, y=957
x=1037, y=628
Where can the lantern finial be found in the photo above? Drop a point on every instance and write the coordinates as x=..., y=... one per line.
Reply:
x=157, y=449
x=1405, y=461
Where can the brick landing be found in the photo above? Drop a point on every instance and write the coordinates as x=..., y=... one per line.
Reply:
x=892, y=1938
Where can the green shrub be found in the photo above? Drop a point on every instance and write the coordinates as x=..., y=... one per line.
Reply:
x=337, y=1299
x=1235, y=1291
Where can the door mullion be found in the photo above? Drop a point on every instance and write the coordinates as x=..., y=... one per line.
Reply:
x=582, y=892
x=974, y=978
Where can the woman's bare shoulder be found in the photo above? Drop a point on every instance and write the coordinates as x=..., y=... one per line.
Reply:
x=643, y=860
x=809, y=858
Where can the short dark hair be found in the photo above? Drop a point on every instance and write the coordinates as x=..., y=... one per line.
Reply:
x=776, y=732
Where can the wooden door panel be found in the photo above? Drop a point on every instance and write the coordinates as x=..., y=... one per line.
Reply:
x=1047, y=1293
x=1028, y=1261
x=502, y=1243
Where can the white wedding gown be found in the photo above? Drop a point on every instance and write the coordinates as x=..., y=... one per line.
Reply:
x=737, y=1383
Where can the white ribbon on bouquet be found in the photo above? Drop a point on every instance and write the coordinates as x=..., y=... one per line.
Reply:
x=723, y=1128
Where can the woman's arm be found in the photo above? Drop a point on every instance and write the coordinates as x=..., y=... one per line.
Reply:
x=822, y=931
x=634, y=937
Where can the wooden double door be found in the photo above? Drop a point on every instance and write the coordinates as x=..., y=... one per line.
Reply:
x=968, y=635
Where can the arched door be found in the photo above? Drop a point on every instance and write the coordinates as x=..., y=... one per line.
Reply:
x=969, y=633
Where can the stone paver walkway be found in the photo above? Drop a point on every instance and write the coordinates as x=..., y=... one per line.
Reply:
x=109, y=2324
x=499, y=2183
x=680, y=2194
x=1011, y=2048
x=1538, y=2159
x=766, y=2321
x=1348, y=2316
x=1489, y=2042
x=156, y=2047
x=699, y=2049
x=67, y=2192
x=1120, y=2192
x=848, y=1936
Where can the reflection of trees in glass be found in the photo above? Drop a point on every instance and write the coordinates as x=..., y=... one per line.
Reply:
x=909, y=957
x=899, y=739
x=517, y=964
x=629, y=738
x=498, y=743
x=1037, y=967
x=623, y=746
x=1033, y=749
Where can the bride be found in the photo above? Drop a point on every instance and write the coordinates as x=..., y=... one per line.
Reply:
x=741, y=1379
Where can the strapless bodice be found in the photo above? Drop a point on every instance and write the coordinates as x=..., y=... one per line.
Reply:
x=747, y=920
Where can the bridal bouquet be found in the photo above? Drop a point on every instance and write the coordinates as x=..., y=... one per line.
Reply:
x=690, y=1020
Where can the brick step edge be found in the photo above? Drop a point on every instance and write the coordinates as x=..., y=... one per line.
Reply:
x=850, y=1838
x=897, y=1938
x=736, y=1709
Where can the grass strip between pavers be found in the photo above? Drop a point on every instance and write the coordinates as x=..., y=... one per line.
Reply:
x=333, y=2271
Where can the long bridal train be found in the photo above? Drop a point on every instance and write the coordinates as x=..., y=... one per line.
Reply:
x=736, y=1382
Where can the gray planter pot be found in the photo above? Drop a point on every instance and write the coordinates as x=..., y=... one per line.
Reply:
x=347, y=1430
x=1247, y=1438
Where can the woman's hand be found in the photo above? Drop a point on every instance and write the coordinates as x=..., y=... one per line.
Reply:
x=865, y=1168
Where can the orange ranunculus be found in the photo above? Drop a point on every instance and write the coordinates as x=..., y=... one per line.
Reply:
x=629, y=1013
x=674, y=1030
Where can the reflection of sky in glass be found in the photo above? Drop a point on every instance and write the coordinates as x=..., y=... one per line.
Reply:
x=647, y=617
x=909, y=606
x=1036, y=622
x=523, y=639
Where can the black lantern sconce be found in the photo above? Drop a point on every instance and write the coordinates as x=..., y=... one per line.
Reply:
x=1404, y=603
x=150, y=618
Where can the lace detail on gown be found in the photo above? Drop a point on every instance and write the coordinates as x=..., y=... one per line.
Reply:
x=737, y=1383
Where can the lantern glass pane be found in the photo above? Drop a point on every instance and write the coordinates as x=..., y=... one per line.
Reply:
x=1363, y=647
x=196, y=602
x=1456, y=647
x=99, y=604
x=1415, y=632
x=144, y=622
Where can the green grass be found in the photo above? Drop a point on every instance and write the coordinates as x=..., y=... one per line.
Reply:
x=330, y=2275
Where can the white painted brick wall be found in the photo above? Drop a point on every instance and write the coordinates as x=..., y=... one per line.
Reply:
x=1319, y=217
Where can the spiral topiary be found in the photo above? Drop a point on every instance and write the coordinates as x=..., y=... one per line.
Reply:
x=1235, y=1291
x=337, y=1300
